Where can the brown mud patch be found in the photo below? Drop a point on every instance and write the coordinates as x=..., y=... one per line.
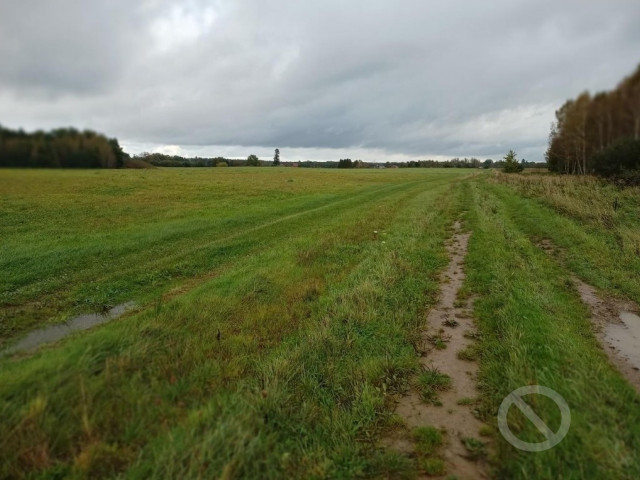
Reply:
x=453, y=412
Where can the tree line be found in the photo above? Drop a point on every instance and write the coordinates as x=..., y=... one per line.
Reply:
x=599, y=133
x=163, y=160
x=59, y=148
x=71, y=148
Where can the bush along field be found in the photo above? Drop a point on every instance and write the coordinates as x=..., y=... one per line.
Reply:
x=281, y=315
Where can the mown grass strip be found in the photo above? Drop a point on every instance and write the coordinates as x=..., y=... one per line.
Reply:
x=318, y=403
x=141, y=273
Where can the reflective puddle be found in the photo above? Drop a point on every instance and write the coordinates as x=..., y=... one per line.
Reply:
x=83, y=322
x=625, y=337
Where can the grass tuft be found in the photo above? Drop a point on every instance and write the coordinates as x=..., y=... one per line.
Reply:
x=430, y=382
x=476, y=449
x=470, y=353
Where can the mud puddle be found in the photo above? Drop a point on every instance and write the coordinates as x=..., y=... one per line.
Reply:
x=56, y=332
x=450, y=324
x=625, y=337
x=616, y=324
x=618, y=329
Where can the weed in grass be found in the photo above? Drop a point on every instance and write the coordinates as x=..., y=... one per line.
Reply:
x=466, y=401
x=469, y=353
x=396, y=420
x=432, y=466
x=451, y=323
x=427, y=439
x=473, y=335
x=439, y=343
x=486, y=431
x=394, y=376
x=386, y=464
x=430, y=382
x=439, y=340
x=427, y=442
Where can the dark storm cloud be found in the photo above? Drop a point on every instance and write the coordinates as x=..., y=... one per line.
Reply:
x=67, y=46
x=418, y=78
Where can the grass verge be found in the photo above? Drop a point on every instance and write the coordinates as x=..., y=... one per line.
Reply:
x=535, y=330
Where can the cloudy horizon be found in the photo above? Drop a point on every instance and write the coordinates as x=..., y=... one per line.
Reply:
x=376, y=80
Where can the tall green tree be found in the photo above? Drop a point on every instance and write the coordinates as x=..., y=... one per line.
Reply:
x=276, y=158
x=511, y=164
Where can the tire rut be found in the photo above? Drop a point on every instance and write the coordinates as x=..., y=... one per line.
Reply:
x=616, y=323
x=451, y=324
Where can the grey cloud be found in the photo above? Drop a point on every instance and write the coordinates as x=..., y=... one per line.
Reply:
x=61, y=47
x=416, y=78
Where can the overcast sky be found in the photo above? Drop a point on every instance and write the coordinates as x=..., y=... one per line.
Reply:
x=321, y=80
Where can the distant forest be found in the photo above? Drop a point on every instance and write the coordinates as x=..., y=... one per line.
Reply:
x=599, y=134
x=60, y=148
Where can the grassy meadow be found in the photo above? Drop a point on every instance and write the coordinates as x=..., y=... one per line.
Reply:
x=279, y=312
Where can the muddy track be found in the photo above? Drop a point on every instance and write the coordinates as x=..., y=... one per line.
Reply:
x=449, y=330
x=616, y=323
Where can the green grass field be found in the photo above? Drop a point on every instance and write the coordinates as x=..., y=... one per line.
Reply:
x=279, y=311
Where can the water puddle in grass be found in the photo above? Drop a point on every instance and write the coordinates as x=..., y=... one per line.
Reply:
x=625, y=337
x=56, y=332
x=617, y=329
